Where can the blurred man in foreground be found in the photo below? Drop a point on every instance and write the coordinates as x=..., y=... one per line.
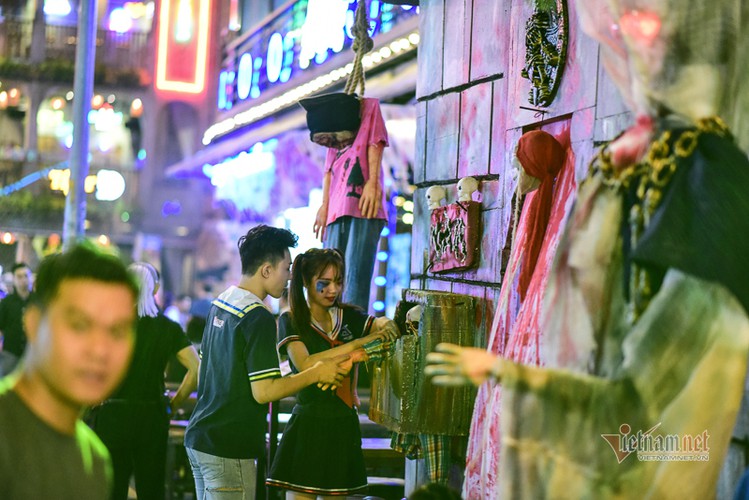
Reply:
x=80, y=338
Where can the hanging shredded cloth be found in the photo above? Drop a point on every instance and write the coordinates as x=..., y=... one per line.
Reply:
x=363, y=43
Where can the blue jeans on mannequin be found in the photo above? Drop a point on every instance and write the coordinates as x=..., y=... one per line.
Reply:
x=357, y=239
x=219, y=478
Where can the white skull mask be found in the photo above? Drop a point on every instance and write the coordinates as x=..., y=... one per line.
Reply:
x=466, y=187
x=435, y=195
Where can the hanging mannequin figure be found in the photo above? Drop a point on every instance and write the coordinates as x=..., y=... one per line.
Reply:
x=645, y=315
x=352, y=214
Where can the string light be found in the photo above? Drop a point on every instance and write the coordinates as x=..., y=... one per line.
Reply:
x=292, y=96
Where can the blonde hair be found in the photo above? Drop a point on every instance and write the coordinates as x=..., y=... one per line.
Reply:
x=145, y=275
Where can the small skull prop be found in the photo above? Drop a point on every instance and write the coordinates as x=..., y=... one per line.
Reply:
x=414, y=314
x=412, y=320
x=435, y=195
x=466, y=187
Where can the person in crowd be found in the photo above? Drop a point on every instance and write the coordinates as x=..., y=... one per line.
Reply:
x=320, y=452
x=3, y=290
x=240, y=374
x=179, y=311
x=7, y=282
x=11, y=314
x=80, y=338
x=134, y=422
x=201, y=306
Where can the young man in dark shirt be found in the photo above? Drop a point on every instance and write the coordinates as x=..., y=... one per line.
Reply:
x=239, y=372
x=80, y=338
x=11, y=311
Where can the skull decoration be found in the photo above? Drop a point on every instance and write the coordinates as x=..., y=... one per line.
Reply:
x=435, y=195
x=466, y=187
x=412, y=320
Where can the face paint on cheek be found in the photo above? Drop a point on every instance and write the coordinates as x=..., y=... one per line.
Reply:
x=320, y=286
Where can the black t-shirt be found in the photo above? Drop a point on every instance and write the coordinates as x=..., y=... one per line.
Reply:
x=11, y=323
x=238, y=348
x=157, y=339
x=36, y=461
x=350, y=323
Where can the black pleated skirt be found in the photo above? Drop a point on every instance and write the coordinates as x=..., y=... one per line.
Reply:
x=320, y=452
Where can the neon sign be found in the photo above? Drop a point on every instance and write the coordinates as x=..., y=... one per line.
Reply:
x=300, y=38
x=323, y=30
x=182, y=51
x=184, y=26
x=275, y=58
x=244, y=80
x=246, y=179
x=60, y=8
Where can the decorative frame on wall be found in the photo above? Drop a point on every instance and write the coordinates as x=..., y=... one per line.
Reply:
x=454, y=236
x=546, y=40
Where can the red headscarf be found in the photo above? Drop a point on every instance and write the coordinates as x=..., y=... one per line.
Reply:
x=542, y=157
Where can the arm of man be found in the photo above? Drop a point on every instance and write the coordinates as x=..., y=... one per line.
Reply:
x=188, y=357
x=303, y=360
x=327, y=372
x=262, y=363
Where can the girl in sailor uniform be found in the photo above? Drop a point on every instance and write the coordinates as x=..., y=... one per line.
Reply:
x=320, y=452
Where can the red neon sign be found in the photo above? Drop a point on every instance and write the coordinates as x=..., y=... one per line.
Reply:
x=183, y=45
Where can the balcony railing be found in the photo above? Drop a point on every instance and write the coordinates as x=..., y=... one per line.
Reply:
x=117, y=50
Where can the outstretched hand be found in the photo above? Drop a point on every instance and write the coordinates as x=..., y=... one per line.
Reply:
x=385, y=329
x=347, y=363
x=359, y=356
x=454, y=365
x=332, y=371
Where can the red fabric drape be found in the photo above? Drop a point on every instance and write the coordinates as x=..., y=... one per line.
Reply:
x=516, y=331
x=542, y=157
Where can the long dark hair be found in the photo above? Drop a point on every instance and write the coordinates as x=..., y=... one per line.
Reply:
x=306, y=266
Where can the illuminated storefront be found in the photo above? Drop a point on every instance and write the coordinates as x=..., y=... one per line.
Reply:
x=257, y=152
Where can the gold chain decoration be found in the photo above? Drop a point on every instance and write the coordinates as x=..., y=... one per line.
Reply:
x=651, y=176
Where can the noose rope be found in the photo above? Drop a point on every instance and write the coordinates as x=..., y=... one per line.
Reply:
x=362, y=44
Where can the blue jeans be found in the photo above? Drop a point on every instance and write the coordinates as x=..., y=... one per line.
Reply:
x=222, y=478
x=357, y=239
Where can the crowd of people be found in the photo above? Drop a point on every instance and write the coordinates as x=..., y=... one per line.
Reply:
x=637, y=319
x=91, y=346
